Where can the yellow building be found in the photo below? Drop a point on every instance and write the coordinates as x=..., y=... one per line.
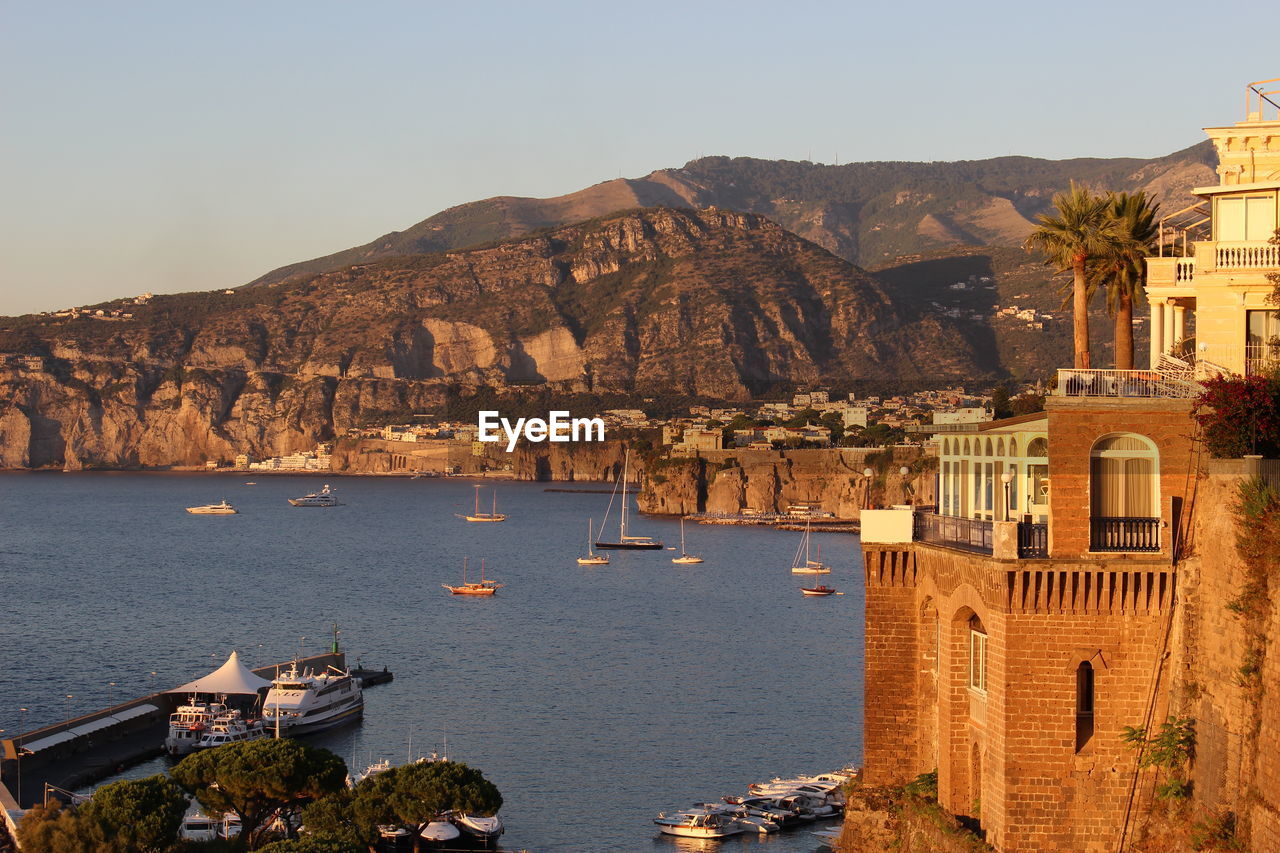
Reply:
x=1222, y=280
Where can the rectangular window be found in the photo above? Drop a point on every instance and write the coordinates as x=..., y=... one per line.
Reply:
x=978, y=660
x=1245, y=218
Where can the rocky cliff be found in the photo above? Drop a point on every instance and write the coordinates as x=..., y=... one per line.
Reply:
x=656, y=301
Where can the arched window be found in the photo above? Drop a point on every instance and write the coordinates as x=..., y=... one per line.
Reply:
x=1123, y=481
x=987, y=449
x=1084, y=704
x=966, y=447
x=1000, y=447
x=977, y=654
x=1013, y=447
x=1038, y=447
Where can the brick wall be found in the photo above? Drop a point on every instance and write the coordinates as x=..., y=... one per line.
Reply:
x=892, y=714
x=1075, y=425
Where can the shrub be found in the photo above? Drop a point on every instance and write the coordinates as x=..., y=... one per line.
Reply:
x=1240, y=415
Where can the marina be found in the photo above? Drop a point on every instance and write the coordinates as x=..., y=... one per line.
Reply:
x=515, y=683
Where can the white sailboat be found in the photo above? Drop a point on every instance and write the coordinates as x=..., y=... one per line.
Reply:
x=592, y=558
x=807, y=566
x=625, y=542
x=684, y=557
x=477, y=515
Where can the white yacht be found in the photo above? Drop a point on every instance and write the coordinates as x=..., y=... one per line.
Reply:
x=231, y=727
x=189, y=723
x=440, y=831
x=807, y=566
x=477, y=827
x=303, y=702
x=698, y=823
x=223, y=508
x=324, y=497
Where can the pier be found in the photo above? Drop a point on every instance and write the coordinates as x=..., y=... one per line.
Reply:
x=84, y=750
x=781, y=521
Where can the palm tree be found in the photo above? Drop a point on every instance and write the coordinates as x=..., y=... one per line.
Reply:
x=1132, y=223
x=1078, y=234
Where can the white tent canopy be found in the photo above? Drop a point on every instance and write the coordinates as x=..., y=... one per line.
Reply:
x=232, y=678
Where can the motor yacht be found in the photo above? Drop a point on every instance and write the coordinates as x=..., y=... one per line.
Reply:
x=324, y=497
x=223, y=508
x=479, y=827
x=189, y=723
x=440, y=831
x=304, y=702
x=230, y=727
x=698, y=823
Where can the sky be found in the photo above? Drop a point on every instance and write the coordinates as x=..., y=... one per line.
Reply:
x=170, y=147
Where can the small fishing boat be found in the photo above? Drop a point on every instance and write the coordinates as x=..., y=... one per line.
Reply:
x=477, y=515
x=684, y=557
x=820, y=589
x=808, y=566
x=592, y=558
x=223, y=508
x=481, y=587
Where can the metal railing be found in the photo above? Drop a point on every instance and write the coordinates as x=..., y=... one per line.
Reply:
x=967, y=534
x=1033, y=539
x=1124, y=383
x=1124, y=534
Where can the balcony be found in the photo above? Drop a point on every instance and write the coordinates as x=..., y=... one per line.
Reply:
x=1124, y=534
x=1124, y=383
x=966, y=534
x=1033, y=540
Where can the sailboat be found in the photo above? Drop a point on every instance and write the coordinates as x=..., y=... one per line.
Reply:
x=592, y=558
x=477, y=515
x=625, y=542
x=481, y=587
x=807, y=566
x=684, y=556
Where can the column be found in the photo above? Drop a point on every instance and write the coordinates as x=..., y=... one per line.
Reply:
x=1179, y=323
x=1167, y=342
x=1157, y=332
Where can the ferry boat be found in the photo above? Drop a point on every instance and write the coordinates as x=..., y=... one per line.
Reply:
x=324, y=497
x=189, y=723
x=625, y=542
x=300, y=703
x=223, y=508
x=481, y=587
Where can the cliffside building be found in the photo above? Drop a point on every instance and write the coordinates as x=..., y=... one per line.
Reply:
x=1016, y=629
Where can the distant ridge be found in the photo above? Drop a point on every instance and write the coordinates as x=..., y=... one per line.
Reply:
x=866, y=213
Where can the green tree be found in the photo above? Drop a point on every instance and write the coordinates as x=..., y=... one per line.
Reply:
x=1080, y=232
x=58, y=829
x=257, y=779
x=1123, y=271
x=312, y=844
x=411, y=796
x=142, y=814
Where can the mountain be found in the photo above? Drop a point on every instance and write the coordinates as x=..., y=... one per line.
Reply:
x=866, y=213
x=657, y=301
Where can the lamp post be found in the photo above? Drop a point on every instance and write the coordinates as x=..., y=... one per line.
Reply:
x=1007, y=479
x=867, y=472
x=907, y=493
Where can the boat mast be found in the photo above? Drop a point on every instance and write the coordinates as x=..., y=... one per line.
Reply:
x=495, y=503
x=625, y=459
x=476, y=511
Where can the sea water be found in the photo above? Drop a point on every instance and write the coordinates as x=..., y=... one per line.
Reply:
x=592, y=696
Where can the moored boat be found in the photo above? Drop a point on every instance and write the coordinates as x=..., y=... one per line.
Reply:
x=592, y=558
x=480, y=587
x=230, y=727
x=485, y=828
x=303, y=702
x=807, y=566
x=627, y=542
x=685, y=557
x=698, y=823
x=223, y=508
x=477, y=515
x=189, y=723
x=820, y=589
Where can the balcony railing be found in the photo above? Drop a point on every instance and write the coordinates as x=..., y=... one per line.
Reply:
x=1124, y=534
x=1033, y=539
x=1250, y=255
x=967, y=534
x=1124, y=383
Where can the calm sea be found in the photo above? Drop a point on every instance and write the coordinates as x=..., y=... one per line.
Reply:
x=593, y=697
